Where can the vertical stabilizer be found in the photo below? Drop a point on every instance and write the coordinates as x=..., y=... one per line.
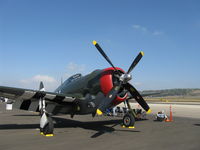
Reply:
x=41, y=88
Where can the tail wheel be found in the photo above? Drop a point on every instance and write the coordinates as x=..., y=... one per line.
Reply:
x=128, y=120
x=48, y=129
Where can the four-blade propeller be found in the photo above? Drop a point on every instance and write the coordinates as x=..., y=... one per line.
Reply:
x=123, y=83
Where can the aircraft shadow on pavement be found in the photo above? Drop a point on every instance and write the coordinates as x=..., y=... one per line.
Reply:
x=197, y=124
x=29, y=115
x=101, y=127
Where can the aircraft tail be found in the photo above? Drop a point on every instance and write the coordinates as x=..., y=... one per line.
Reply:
x=41, y=88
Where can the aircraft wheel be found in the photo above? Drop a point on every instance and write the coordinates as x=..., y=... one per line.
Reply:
x=128, y=120
x=48, y=128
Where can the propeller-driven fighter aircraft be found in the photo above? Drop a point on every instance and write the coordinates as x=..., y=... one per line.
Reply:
x=80, y=95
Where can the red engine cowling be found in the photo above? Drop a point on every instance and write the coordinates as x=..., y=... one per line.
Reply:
x=106, y=83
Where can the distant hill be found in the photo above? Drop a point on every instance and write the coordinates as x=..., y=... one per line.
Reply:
x=174, y=92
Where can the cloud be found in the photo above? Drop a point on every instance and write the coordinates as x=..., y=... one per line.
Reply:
x=73, y=68
x=33, y=83
x=139, y=27
x=39, y=78
x=136, y=26
x=146, y=30
x=50, y=83
x=157, y=33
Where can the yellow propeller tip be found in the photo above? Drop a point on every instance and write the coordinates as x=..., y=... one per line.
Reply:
x=99, y=112
x=142, y=53
x=149, y=111
x=94, y=42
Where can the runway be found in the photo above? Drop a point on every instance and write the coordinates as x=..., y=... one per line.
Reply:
x=19, y=130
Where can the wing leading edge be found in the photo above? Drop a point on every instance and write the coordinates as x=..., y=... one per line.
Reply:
x=27, y=99
x=26, y=94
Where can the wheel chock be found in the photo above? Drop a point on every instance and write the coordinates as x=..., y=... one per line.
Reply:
x=48, y=135
x=130, y=127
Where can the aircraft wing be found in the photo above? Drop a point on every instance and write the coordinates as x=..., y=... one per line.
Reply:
x=27, y=94
x=27, y=99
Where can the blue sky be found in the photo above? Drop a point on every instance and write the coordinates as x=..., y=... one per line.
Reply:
x=47, y=39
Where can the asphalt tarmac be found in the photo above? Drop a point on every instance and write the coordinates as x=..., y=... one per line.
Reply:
x=19, y=130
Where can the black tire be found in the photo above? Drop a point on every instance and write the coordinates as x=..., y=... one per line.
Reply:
x=48, y=129
x=128, y=120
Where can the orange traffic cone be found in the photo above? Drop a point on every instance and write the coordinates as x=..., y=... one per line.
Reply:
x=170, y=117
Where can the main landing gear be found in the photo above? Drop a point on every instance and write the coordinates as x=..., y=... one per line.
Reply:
x=46, y=122
x=128, y=121
x=129, y=118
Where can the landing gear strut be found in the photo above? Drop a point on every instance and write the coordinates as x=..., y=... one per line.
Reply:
x=129, y=117
x=46, y=122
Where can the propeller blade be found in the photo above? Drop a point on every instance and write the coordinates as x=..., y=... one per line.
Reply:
x=138, y=97
x=108, y=99
x=103, y=54
x=135, y=62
